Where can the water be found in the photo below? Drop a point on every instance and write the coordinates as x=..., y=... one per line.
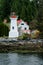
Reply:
x=21, y=59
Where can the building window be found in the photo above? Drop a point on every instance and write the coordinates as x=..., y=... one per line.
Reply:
x=25, y=28
x=12, y=27
x=22, y=23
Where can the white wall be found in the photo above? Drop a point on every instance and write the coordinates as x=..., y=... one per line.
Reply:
x=13, y=28
x=23, y=26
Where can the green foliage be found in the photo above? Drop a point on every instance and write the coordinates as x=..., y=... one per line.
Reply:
x=5, y=8
x=3, y=30
x=25, y=9
x=33, y=24
x=24, y=36
x=40, y=18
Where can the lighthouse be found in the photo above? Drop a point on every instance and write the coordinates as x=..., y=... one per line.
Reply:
x=13, y=33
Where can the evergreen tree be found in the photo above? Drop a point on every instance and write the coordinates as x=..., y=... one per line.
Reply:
x=5, y=8
x=1, y=9
x=40, y=17
x=25, y=9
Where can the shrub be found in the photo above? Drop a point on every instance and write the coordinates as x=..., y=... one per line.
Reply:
x=35, y=34
x=24, y=36
x=3, y=30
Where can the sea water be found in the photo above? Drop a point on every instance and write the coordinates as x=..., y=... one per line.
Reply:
x=21, y=59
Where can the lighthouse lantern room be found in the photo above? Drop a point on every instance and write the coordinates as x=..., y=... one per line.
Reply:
x=13, y=33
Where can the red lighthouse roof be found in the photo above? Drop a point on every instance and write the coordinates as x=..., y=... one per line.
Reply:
x=14, y=16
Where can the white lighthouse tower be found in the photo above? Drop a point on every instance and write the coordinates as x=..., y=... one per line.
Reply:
x=13, y=33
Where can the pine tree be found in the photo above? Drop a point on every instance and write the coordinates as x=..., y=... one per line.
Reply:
x=40, y=17
x=5, y=8
x=1, y=9
x=25, y=9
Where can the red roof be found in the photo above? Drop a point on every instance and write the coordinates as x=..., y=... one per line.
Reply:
x=13, y=16
x=19, y=21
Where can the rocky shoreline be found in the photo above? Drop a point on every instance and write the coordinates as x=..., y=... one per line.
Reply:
x=21, y=46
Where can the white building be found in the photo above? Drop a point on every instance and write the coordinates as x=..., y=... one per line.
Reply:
x=13, y=33
x=23, y=27
x=17, y=27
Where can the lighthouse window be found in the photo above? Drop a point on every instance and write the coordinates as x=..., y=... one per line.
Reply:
x=12, y=27
x=25, y=28
x=22, y=23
